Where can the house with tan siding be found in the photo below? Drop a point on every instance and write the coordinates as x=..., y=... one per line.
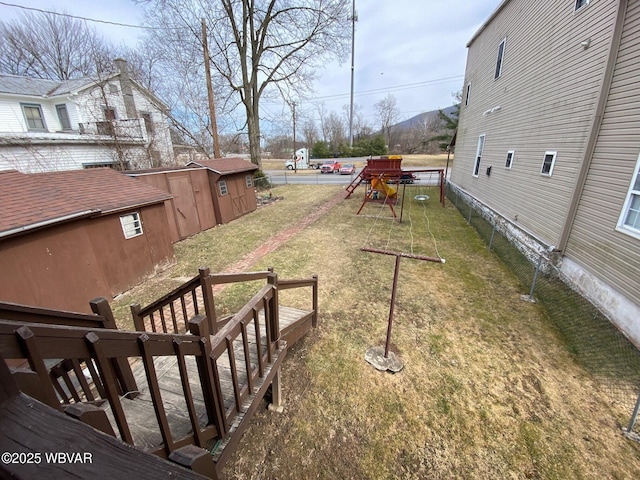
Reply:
x=549, y=140
x=50, y=125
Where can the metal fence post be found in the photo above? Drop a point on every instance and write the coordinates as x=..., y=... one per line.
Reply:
x=634, y=416
x=493, y=232
x=535, y=276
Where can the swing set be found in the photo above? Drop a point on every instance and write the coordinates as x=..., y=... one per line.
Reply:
x=383, y=177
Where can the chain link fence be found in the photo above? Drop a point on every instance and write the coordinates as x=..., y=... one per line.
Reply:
x=595, y=342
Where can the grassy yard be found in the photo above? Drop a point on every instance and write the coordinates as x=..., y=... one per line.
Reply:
x=488, y=390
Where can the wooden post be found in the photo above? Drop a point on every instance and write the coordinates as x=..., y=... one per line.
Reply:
x=127, y=383
x=36, y=362
x=272, y=279
x=91, y=415
x=196, y=459
x=138, y=322
x=211, y=390
x=276, y=405
x=109, y=382
x=207, y=298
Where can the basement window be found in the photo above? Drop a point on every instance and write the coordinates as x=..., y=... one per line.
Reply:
x=548, y=163
x=131, y=225
x=249, y=180
x=581, y=3
x=629, y=221
x=509, y=163
x=501, y=47
x=222, y=186
x=476, y=166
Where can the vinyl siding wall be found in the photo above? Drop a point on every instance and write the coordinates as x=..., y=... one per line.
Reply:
x=546, y=96
x=56, y=157
x=613, y=256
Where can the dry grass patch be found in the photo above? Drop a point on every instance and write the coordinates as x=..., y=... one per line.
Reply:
x=489, y=389
x=222, y=246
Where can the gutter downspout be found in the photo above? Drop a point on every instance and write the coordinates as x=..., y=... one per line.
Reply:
x=596, y=123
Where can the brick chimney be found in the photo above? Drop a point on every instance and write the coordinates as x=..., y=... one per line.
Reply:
x=125, y=86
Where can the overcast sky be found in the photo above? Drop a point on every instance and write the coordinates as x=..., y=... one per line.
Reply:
x=414, y=50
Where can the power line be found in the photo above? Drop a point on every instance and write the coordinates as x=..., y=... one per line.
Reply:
x=407, y=86
x=118, y=24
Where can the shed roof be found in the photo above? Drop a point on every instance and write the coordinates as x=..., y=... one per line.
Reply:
x=34, y=200
x=225, y=166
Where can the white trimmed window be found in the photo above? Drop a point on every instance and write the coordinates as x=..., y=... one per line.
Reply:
x=131, y=225
x=548, y=163
x=476, y=166
x=249, y=180
x=222, y=186
x=33, y=116
x=629, y=221
x=510, y=156
x=499, y=62
x=466, y=95
x=581, y=3
x=63, y=117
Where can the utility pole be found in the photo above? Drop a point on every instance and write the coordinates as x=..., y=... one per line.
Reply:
x=354, y=19
x=295, y=164
x=212, y=108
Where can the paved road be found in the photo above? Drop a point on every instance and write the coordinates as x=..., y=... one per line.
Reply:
x=287, y=177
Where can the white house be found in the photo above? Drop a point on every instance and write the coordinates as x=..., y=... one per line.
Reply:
x=549, y=139
x=49, y=125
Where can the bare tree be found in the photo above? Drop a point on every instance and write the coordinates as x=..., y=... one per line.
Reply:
x=387, y=112
x=52, y=46
x=259, y=47
x=335, y=130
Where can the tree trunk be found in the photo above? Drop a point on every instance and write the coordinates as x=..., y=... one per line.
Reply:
x=253, y=129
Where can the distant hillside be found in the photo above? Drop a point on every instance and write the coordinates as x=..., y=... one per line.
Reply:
x=422, y=118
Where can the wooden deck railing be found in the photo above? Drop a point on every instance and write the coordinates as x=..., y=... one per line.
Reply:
x=68, y=374
x=171, y=313
x=39, y=343
x=234, y=369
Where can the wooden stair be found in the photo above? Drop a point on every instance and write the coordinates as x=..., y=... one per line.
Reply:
x=355, y=182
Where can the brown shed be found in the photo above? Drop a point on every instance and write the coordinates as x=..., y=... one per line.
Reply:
x=191, y=208
x=67, y=237
x=232, y=187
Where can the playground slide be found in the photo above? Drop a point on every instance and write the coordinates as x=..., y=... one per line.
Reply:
x=383, y=187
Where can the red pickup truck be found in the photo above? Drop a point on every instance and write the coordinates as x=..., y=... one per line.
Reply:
x=330, y=166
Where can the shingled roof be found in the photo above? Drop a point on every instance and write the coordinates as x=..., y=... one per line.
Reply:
x=225, y=166
x=29, y=201
x=40, y=87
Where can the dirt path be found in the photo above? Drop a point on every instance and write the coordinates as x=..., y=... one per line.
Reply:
x=249, y=260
